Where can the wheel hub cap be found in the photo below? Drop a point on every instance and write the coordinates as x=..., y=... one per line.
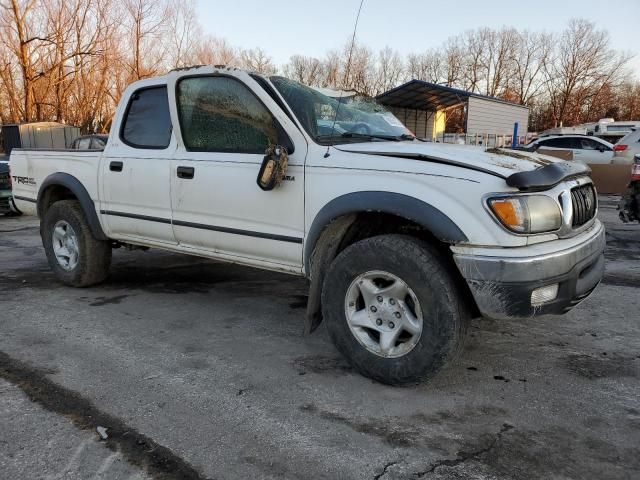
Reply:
x=65, y=245
x=383, y=314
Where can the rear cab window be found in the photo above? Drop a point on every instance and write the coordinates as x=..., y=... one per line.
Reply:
x=147, y=121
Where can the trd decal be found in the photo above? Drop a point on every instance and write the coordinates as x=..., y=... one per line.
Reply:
x=24, y=180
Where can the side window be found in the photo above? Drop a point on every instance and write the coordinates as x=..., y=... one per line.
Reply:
x=98, y=143
x=220, y=114
x=588, y=144
x=84, y=143
x=566, y=142
x=147, y=122
x=558, y=143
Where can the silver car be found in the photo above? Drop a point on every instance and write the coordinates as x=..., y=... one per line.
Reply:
x=585, y=149
x=627, y=147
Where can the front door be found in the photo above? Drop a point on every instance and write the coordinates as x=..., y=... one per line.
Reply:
x=135, y=171
x=226, y=124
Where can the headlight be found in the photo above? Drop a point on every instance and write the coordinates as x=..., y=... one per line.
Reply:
x=527, y=213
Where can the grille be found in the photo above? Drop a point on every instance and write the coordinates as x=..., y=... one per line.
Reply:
x=4, y=205
x=584, y=202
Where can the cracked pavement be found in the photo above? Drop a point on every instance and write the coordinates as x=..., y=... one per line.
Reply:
x=204, y=364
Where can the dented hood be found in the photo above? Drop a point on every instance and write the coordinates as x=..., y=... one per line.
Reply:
x=500, y=162
x=520, y=169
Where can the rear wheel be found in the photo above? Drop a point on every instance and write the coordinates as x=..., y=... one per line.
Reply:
x=393, y=309
x=75, y=256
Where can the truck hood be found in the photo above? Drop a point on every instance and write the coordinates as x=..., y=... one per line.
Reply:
x=523, y=170
x=497, y=161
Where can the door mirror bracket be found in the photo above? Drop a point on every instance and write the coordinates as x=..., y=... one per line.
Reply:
x=273, y=168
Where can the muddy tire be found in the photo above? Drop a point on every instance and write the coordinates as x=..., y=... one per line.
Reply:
x=393, y=309
x=75, y=256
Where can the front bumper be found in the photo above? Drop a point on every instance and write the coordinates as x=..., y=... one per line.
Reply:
x=502, y=285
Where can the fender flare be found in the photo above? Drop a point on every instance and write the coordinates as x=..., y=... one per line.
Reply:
x=77, y=188
x=410, y=208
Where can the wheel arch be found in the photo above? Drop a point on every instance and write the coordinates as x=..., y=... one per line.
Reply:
x=397, y=204
x=63, y=186
x=333, y=222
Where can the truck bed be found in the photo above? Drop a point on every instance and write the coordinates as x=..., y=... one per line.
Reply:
x=31, y=167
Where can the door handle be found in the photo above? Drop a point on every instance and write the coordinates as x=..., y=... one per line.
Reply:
x=115, y=166
x=186, y=172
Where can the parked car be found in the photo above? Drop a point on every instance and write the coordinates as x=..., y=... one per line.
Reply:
x=90, y=142
x=402, y=240
x=585, y=149
x=627, y=147
x=630, y=202
x=5, y=189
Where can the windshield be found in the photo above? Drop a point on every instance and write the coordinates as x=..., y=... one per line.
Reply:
x=359, y=118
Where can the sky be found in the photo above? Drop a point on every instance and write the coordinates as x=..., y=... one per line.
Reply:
x=286, y=27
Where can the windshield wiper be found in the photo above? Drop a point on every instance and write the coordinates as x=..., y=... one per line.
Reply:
x=392, y=138
x=407, y=136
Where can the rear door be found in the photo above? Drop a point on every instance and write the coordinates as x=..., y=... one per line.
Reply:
x=136, y=201
x=593, y=151
x=226, y=122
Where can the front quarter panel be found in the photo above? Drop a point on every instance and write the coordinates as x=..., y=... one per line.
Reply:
x=454, y=191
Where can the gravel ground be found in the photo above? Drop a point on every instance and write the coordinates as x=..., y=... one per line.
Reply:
x=198, y=370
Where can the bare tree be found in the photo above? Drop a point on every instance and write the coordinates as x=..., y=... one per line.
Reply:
x=583, y=63
x=70, y=61
x=19, y=22
x=389, y=70
x=530, y=54
x=215, y=51
x=256, y=59
x=184, y=31
x=307, y=70
x=146, y=21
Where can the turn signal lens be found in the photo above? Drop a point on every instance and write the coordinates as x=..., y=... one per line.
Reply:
x=509, y=212
x=527, y=213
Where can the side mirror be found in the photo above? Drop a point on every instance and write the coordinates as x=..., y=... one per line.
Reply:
x=273, y=168
x=602, y=149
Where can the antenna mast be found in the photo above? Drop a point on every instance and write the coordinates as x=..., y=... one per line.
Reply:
x=346, y=73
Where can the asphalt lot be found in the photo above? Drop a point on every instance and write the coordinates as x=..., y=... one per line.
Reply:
x=199, y=370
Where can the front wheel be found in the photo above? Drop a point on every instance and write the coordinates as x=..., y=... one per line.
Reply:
x=76, y=257
x=393, y=308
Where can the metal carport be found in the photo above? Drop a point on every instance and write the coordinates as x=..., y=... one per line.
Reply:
x=422, y=107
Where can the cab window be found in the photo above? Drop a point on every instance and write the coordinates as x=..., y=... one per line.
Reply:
x=147, y=122
x=220, y=114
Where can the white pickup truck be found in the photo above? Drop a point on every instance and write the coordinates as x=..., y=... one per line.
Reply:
x=402, y=240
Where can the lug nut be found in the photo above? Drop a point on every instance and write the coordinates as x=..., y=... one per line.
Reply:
x=392, y=301
x=392, y=325
x=397, y=314
x=380, y=298
x=379, y=321
x=373, y=309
